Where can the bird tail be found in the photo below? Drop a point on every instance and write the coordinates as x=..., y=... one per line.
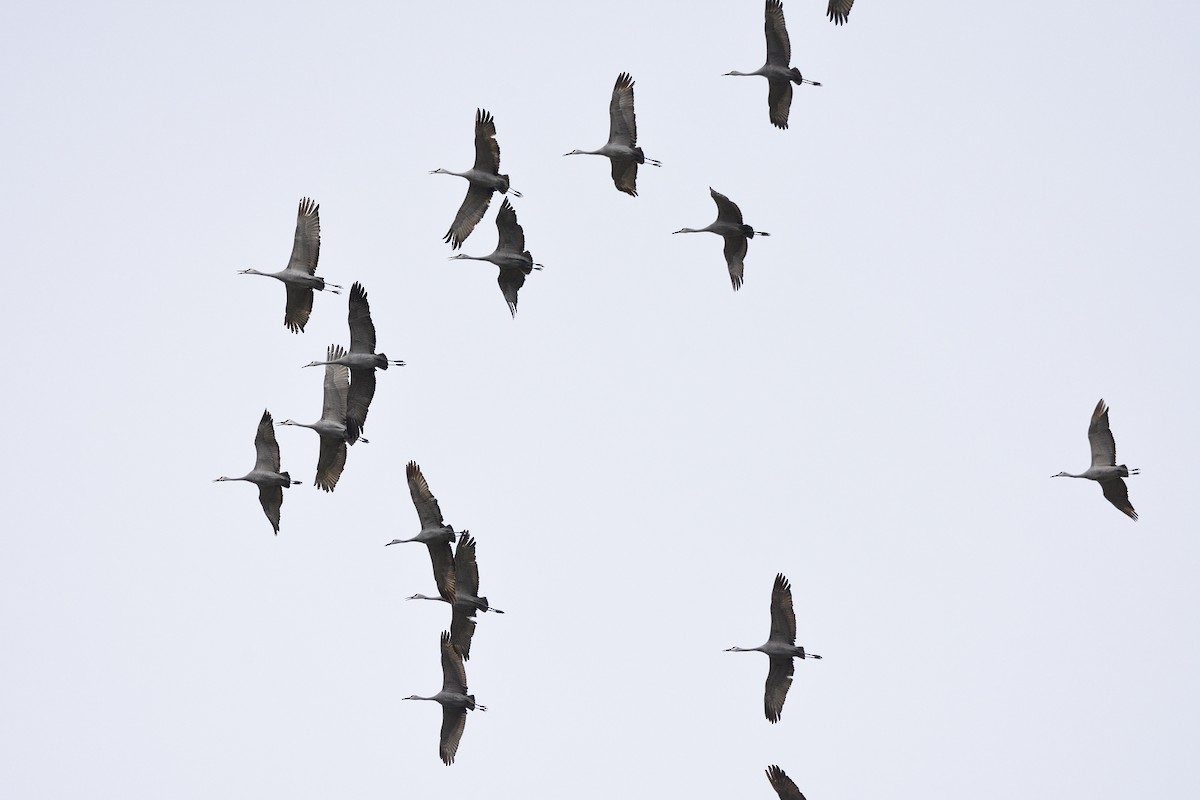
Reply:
x=381, y=361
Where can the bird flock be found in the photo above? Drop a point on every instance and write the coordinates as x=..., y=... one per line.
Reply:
x=349, y=382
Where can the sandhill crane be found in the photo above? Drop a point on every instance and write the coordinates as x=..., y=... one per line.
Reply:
x=1104, y=469
x=839, y=11
x=454, y=699
x=266, y=475
x=435, y=533
x=780, y=76
x=730, y=227
x=331, y=427
x=781, y=647
x=362, y=361
x=622, y=149
x=783, y=785
x=510, y=255
x=484, y=178
x=299, y=276
x=466, y=595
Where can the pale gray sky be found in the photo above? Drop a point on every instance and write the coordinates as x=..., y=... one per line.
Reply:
x=982, y=223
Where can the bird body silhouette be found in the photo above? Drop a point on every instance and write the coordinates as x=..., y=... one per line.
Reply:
x=299, y=276
x=1105, y=470
x=781, y=647
x=622, y=148
x=777, y=70
x=266, y=474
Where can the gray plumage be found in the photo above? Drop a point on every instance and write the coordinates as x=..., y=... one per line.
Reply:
x=484, y=179
x=466, y=595
x=782, y=784
x=299, y=276
x=1105, y=470
x=434, y=533
x=266, y=474
x=454, y=698
x=729, y=226
x=362, y=361
x=510, y=255
x=622, y=147
x=332, y=427
x=839, y=11
x=780, y=647
x=777, y=70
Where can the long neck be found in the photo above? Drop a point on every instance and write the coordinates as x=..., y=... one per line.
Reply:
x=298, y=424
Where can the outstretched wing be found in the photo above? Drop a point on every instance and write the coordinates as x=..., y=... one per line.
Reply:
x=462, y=629
x=454, y=675
x=839, y=11
x=466, y=570
x=443, y=569
x=511, y=234
x=779, y=102
x=271, y=498
x=454, y=722
x=1104, y=448
x=298, y=307
x=511, y=280
x=622, y=122
x=362, y=330
x=779, y=680
x=330, y=462
x=307, y=246
x=624, y=174
x=1117, y=493
x=782, y=784
x=337, y=387
x=362, y=389
x=727, y=210
x=266, y=448
x=428, y=511
x=469, y=213
x=487, y=149
x=783, y=618
x=779, y=47
x=735, y=257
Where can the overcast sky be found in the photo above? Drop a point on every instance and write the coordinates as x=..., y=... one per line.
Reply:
x=983, y=222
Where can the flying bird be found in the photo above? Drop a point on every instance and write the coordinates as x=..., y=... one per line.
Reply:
x=362, y=361
x=780, y=647
x=782, y=784
x=780, y=76
x=299, y=276
x=839, y=11
x=331, y=427
x=510, y=255
x=484, y=178
x=266, y=475
x=1104, y=469
x=454, y=699
x=434, y=533
x=622, y=147
x=466, y=595
x=729, y=226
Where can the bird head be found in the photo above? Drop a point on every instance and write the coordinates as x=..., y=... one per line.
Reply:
x=395, y=541
x=1061, y=475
